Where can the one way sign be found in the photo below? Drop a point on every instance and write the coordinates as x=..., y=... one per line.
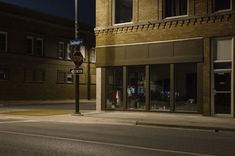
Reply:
x=76, y=71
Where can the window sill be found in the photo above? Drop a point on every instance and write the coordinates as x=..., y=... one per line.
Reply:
x=175, y=17
x=125, y=23
x=222, y=11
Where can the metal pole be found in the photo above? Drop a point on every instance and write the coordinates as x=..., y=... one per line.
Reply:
x=76, y=19
x=77, y=110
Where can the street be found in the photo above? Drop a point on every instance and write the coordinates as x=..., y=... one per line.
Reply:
x=24, y=137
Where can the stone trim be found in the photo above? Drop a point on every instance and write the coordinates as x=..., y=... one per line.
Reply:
x=165, y=23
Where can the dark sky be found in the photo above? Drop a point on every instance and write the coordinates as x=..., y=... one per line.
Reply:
x=62, y=8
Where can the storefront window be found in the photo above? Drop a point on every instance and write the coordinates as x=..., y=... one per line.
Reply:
x=114, y=88
x=136, y=87
x=186, y=87
x=160, y=87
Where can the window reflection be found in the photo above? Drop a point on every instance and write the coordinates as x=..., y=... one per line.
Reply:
x=136, y=87
x=185, y=87
x=160, y=87
x=114, y=83
x=123, y=11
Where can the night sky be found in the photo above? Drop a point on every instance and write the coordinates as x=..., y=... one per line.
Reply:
x=62, y=8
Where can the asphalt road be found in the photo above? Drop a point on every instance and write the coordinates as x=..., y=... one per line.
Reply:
x=37, y=138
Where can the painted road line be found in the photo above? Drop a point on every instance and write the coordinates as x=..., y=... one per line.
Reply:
x=105, y=143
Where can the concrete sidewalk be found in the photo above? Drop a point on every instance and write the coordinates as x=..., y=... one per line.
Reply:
x=59, y=111
x=176, y=120
x=170, y=120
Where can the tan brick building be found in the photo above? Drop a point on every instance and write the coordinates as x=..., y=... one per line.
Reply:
x=35, y=57
x=166, y=55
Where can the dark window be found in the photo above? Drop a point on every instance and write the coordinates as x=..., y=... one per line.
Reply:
x=30, y=45
x=64, y=77
x=3, y=41
x=39, y=75
x=175, y=8
x=123, y=11
x=222, y=5
x=186, y=87
x=39, y=47
x=136, y=87
x=4, y=74
x=160, y=87
x=34, y=75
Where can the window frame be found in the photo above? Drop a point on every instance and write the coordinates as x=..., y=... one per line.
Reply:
x=93, y=55
x=61, y=52
x=177, y=16
x=68, y=52
x=224, y=10
x=113, y=14
x=6, y=41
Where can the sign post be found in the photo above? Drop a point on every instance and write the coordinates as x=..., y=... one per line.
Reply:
x=78, y=60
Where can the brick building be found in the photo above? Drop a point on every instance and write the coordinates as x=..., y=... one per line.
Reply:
x=166, y=56
x=35, y=58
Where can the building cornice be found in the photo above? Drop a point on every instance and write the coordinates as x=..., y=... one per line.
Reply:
x=165, y=23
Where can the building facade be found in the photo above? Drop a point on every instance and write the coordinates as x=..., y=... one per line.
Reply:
x=35, y=56
x=166, y=56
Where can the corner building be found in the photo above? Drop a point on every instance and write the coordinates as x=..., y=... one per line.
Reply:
x=165, y=56
x=35, y=57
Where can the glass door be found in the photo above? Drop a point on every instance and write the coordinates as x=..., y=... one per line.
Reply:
x=222, y=76
x=222, y=92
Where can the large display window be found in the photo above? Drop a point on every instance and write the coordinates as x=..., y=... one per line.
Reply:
x=160, y=87
x=114, y=88
x=185, y=87
x=136, y=87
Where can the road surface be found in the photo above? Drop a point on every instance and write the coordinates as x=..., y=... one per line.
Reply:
x=19, y=137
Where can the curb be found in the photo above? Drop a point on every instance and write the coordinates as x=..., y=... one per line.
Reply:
x=216, y=129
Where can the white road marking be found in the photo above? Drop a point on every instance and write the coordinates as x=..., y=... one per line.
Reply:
x=105, y=143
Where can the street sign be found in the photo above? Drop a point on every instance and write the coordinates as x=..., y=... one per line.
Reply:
x=77, y=59
x=76, y=71
x=76, y=42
